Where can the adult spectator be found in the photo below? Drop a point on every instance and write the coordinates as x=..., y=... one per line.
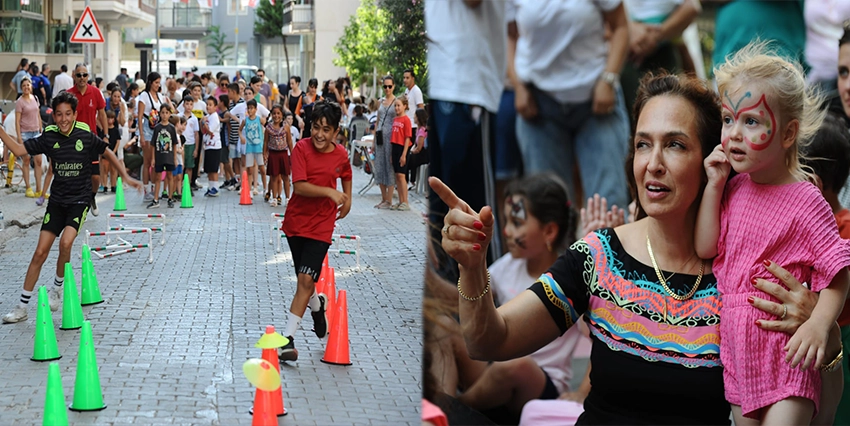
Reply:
x=570, y=105
x=415, y=100
x=37, y=84
x=256, y=86
x=62, y=81
x=123, y=80
x=307, y=104
x=383, y=172
x=22, y=71
x=223, y=81
x=655, y=28
x=208, y=84
x=605, y=276
x=147, y=107
x=45, y=83
x=265, y=89
x=738, y=22
x=294, y=96
x=28, y=126
x=843, y=83
x=466, y=59
x=91, y=109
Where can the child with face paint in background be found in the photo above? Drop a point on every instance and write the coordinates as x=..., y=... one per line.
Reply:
x=539, y=223
x=771, y=211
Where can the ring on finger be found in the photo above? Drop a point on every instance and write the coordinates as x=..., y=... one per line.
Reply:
x=446, y=229
x=784, y=311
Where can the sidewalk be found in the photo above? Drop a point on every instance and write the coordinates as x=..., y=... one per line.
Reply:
x=171, y=337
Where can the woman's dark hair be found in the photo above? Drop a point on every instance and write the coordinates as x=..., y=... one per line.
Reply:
x=706, y=104
x=326, y=87
x=97, y=82
x=388, y=77
x=256, y=79
x=548, y=202
x=845, y=38
x=64, y=98
x=421, y=116
x=828, y=153
x=154, y=76
x=111, y=86
x=279, y=107
x=296, y=78
x=358, y=110
x=313, y=83
x=133, y=86
x=328, y=110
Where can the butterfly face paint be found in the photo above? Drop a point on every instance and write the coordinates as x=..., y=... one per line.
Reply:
x=758, y=124
x=518, y=215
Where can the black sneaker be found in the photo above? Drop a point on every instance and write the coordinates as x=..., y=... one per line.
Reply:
x=195, y=187
x=267, y=196
x=112, y=190
x=175, y=195
x=170, y=203
x=320, y=317
x=154, y=204
x=288, y=352
x=164, y=194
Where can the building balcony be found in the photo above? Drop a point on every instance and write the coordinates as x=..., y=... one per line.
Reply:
x=298, y=17
x=119, y=13
x=182, y=21
x=32, y=6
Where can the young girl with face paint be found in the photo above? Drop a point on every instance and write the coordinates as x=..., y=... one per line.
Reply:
x=540, y=221
x=771, y=211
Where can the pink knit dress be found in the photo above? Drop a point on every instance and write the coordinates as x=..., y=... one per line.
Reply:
x=793, y=226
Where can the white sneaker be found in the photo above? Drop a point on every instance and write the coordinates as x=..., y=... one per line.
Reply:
x=272, y=202
x=17, y=315
x=54, y=295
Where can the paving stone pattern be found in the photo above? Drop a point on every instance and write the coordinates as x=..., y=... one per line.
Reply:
x=172, y=336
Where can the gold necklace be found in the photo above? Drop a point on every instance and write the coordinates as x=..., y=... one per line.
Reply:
x=664, y=282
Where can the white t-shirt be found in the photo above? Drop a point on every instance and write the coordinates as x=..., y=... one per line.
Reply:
x=63, y=81
x=192, y=126
x=296, y=135
x=651, y=10
x=241, y=111
x=414, y=98
x=509, y=277
x=824, y=20
x=562, y=47
x=150, y=102
x=466, y=51
x=214, y=124
x=199, y=109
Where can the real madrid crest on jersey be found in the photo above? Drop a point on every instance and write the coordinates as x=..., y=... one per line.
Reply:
x=79, y=145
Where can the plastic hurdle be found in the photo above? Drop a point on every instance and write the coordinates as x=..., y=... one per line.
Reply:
x=275, y=231
x=338, y=238
x=159, y=227
x=123, y=246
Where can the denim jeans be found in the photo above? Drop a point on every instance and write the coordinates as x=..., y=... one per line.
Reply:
x=25, y=136
x=563, y=136
x=460, y=150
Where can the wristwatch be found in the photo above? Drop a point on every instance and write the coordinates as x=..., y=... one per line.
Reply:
x=613, y=79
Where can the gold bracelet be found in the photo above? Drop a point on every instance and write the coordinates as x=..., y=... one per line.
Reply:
x=832, y=366
x=472, y=299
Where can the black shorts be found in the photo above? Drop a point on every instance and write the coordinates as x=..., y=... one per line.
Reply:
x=159, y=168
x=212, y=158
x=308, y=255
x=95, y=168
x=398, y=150
x=58, y=216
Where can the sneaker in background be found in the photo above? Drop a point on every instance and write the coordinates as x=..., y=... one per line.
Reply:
x=54, y=296
x=170, y=203
x=20, y=314
x=154, y=204
x=287, y=353
x=94, y=210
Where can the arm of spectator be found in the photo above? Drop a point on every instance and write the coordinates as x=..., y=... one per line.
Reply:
x=604, y=95
x=595, y=215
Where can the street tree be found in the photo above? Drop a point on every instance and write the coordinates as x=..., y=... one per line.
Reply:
x=216, y=42
x=358, y=48
x=268, y=23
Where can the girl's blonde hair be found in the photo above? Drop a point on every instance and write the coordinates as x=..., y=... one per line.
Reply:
x=403, y=99
x=784, y=82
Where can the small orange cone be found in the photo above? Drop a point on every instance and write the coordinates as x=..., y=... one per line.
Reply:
x=245, y=192
x=263, y=411
x=270, y=355
x=330, y=292
x=336, y=351
x=321, y=284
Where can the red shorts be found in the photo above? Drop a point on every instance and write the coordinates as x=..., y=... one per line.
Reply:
x=278, y=163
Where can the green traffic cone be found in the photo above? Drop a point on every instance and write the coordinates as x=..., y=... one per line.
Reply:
x=55, y=413
x=46, y=348
x=87, y=393
x=72, y=311
x=86, y=253
x=120, y=206
x=90, y=294
x=186, y=199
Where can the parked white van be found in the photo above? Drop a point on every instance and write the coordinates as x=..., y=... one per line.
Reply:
x=247, y=71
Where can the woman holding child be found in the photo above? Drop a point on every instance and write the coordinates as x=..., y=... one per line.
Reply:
x=652, y=305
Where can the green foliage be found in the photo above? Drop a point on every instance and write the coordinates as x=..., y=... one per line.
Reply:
x=404, y=45
x=358, y=48
x=216, y=43
x=269, y=18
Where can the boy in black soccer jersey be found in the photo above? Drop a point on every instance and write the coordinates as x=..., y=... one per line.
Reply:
x=70, y=145
x=164, y=140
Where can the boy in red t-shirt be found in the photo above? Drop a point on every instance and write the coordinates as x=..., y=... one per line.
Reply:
x=400, y=141
x=316, y=204
x=828, y=155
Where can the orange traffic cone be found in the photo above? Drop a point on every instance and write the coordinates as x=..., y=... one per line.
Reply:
x=263, y=411
x=245, y=193
x=321, y=284
x=336, y=351
x=330, y=292
x=270, y=355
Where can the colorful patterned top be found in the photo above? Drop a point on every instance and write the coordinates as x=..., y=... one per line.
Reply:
x=655, y=360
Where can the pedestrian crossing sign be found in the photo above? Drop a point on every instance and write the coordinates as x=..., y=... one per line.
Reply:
x=87, y=30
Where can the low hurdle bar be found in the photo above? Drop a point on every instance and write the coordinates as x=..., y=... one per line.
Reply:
x=356, y=252
x=275, y=231
x=124, y=246
x=160, y=227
